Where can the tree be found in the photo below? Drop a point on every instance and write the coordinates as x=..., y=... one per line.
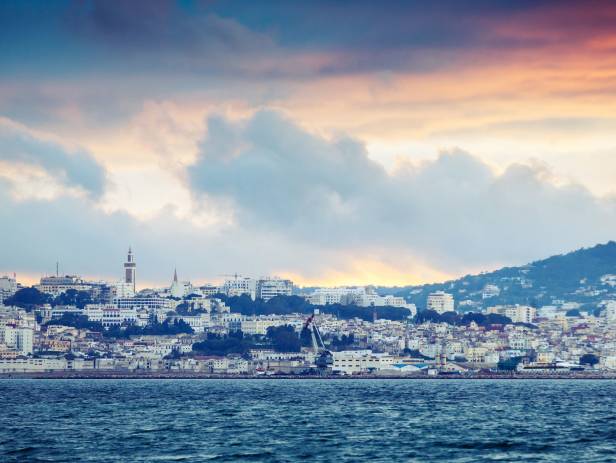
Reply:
x=510, y=364
x=284, y=338
x=589, y=359
x=76, y=321
x=164, y=328
x=28, y=298
x=73, y=297
x=415, y=354
x=427, y=316
x=234, y=343
x=282, y=305
x=343, y=342
x=305, y=337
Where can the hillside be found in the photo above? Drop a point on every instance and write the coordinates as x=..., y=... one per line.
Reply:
x=581, y=276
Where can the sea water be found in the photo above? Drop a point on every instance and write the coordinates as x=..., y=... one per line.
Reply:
x=274, y=420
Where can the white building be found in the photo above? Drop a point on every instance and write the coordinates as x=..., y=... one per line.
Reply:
x=147, y=302
x=360, y=361
x=517, y=313
x=610, y=311
x=370, y=298
x=239, y=285
x=110, y=314
x=123, y=289
x=180, y=289
x=31, y=365
x=258, y=325
x=18, y=338
x=440, y=302
x=269, y=287
x=521, y=314
x=56, y=285
x=8, y=287
x=339, y=295
x=207, y=290
x=490, y=291
x=197, y=322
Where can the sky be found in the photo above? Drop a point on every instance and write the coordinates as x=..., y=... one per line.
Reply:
x=346, y=142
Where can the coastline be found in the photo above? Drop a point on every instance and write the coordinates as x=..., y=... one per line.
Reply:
x=174, y=375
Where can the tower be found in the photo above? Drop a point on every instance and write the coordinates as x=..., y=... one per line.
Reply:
x=130, y=268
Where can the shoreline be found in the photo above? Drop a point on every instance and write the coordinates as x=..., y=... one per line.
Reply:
x=173, y=375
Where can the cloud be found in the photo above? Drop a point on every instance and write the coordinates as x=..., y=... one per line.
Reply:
x=316, y=209
x=454, y=212
x=70, y=168
x=90, y=242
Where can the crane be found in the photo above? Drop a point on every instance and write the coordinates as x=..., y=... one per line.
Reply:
x=323, y=357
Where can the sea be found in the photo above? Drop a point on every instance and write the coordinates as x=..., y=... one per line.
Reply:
x=321, y=420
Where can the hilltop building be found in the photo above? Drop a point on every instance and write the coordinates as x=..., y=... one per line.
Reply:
x=56, y=285
x=440, y=302
x=269, y=287
x=517, y=313
x=179, y=289
x=239, y=285
x=130, y=271
x=8, y=287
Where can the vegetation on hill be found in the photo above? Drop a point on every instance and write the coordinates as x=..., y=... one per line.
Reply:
x=574, y=277
x=29, y=298
x=283, y=305
x=280, y=338
x=453, y=318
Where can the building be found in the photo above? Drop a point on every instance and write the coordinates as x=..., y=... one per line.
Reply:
x=440, y=302
x=130, y=270
x=179, y=289
x=122, y=289
x=360, y=361
x=370, y=298
x=517, y=313
x=258, y=325
x=490, y=291
x=8, y=287
x=17, y=338
x=268, y=288
x=239, y=285
x=56, y=285
x=198, y=322
x=110, y=314
x=207, y=290
x=147, y=302
x=610, y=311
x=339, y=295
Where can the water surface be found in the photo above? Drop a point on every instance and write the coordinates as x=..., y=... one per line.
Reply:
x=310, y=420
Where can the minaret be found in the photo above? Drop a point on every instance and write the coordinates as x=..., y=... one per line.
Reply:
x=130, y=268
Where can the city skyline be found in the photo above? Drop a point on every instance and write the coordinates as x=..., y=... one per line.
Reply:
x=397, y=145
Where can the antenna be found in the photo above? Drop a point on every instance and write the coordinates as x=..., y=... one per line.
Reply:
x=57, y=268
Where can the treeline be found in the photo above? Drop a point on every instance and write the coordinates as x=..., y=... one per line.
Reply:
x=454, y=318
x=122, y=331
x=280, y=338
x=152, y=329
x=284, y=305
x=30, y=298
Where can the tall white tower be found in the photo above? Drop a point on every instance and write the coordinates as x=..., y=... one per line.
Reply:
x=130, y=269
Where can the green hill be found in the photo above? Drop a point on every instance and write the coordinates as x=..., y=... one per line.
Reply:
x=580, y=276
